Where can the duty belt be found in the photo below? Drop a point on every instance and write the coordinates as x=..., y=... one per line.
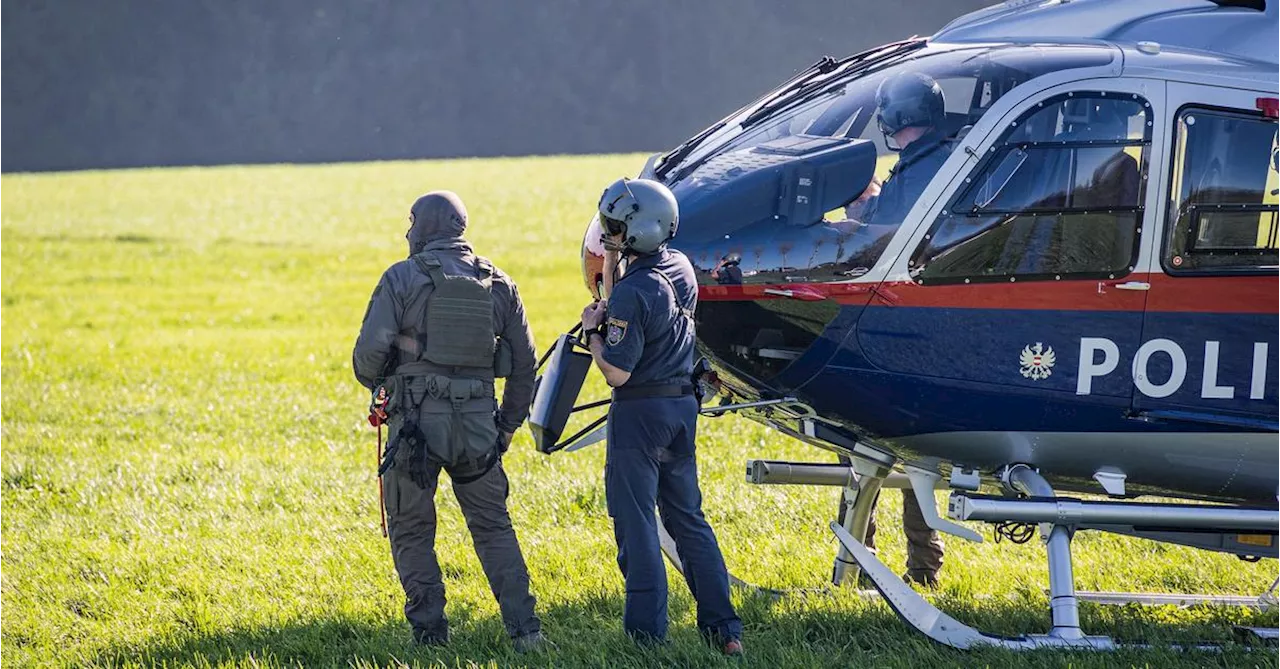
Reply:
x=646, y=392
x=457, y=391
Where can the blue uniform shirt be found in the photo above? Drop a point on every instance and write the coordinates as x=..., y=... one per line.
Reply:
x=649, y=324
x=917, y=164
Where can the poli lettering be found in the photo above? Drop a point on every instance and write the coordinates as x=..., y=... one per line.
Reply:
x=1100, y=356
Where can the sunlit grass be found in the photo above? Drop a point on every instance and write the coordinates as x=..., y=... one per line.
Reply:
x=188, y=477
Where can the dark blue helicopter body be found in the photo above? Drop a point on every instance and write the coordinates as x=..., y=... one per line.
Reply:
x=1037, y=305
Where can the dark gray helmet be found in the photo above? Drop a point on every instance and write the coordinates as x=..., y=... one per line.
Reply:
x=643, y=211
x=910, y=99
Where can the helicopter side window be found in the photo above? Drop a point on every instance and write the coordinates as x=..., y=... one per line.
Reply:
x=1060, y=196
x=1224, y=193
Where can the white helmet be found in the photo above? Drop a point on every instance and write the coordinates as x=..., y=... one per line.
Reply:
x=643, y=211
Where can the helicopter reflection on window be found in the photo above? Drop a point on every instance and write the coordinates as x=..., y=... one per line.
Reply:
x=1060, y=197
x=1224, y=193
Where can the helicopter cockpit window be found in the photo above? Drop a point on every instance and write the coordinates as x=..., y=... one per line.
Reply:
x=1224, y=193
x=821, y=138
x=1059, y=196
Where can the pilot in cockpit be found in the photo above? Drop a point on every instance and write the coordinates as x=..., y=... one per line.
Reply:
x=910, y=110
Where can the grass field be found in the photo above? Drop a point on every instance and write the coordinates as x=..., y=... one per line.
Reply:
x=188, y=478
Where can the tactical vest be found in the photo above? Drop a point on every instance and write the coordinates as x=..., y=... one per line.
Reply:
x=446, y=397
x=457, y=334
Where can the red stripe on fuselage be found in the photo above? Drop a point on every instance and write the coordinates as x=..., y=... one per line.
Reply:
x=1214, y=294
x=1205, y=294
x=843, y=293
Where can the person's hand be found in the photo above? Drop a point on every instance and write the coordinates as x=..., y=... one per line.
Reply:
x=872, y=190
x=610, y=270
x=593, y=316
x=613, y=253
x=504, y=440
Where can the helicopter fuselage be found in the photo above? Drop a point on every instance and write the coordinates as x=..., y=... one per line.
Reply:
x=1087, y=284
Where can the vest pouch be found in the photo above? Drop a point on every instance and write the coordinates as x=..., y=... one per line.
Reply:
x=502, y=363
x=456, y=417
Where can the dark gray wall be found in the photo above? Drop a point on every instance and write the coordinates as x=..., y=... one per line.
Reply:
x=94, y=83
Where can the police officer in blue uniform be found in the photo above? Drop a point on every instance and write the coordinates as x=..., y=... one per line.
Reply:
x=910, y=111
x=643, y=343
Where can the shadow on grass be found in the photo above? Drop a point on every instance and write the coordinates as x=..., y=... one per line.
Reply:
x=813, y=630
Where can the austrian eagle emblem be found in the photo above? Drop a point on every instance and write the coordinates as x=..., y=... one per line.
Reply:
x=1037, y=361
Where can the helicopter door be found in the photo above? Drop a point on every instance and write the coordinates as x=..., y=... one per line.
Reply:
x=1210, y=347
x=1032, y=270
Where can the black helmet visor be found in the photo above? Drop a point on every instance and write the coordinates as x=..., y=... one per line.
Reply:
x=612, y=226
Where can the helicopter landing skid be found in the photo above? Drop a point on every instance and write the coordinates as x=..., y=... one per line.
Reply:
x=933, y=623
x=1172, y=599
x=1266, y=601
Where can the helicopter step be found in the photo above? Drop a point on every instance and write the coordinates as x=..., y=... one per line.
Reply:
x=861, y=480
x=1248, y=533
x=781, y=472
x=1080, y=513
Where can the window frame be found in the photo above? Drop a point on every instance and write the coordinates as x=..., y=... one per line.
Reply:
x=1194, y=212
x=1000, y=148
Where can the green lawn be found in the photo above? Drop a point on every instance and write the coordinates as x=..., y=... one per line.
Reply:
x=188, y=478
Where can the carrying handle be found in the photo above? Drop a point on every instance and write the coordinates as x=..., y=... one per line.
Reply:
x=543, y=360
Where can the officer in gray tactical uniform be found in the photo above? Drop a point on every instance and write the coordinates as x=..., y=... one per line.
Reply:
x=440, y=327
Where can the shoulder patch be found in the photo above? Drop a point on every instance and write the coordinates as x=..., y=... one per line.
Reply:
x=615, y=330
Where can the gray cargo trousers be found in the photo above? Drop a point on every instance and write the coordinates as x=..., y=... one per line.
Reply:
x=411, y=526
x=924, y=548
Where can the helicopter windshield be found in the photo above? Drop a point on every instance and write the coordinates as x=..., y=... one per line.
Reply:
x=972, y=79
x=826, y=134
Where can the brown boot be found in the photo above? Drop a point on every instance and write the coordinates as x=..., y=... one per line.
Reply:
x=928, y=579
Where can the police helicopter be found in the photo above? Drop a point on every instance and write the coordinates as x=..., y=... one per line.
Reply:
x=1081, y=295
